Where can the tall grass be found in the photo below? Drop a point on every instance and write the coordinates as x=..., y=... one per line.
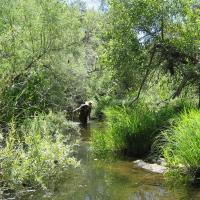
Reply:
x=182, y=149
x=131, y=130
x=38, y=150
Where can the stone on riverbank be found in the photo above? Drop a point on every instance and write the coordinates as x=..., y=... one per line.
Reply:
x=150, y=167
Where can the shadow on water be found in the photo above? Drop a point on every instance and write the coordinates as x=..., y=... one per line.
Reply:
x=106, y=180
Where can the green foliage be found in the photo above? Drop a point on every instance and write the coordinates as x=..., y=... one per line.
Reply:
x=42, y=57
x=131, y=130
x=36, y=152
x=182, y=148
x=53, y=124
x=48, y=59
x=148, y=38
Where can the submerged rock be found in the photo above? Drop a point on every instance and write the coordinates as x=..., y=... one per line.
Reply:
x=156, y=168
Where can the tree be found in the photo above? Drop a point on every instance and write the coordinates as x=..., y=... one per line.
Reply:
x=151, y=36
x=40, y=48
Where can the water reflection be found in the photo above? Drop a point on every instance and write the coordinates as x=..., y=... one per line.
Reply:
x=106, y=180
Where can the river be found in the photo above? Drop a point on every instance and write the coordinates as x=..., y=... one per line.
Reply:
x=110, y=180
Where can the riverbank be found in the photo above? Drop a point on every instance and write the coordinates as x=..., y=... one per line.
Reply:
x=98, y=179
x=170, y=132
x=37, y=152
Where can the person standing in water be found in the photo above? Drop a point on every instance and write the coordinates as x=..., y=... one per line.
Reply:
x=84, y=113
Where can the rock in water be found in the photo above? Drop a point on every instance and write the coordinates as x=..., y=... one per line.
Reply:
x=150, y=167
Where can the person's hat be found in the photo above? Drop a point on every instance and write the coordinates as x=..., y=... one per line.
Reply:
x=88, y=103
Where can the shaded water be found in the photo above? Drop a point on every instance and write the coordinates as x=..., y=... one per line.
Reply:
x=116, y=180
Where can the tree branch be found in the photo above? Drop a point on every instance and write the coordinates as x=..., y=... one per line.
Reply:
x=146, y=74
x=179, y=89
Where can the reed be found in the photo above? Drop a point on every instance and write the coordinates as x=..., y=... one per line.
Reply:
x=131, y=130
x=182, y=148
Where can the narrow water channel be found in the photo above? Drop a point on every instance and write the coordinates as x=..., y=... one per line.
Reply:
x=106, y=180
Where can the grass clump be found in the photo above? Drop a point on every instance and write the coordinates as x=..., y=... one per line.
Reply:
x=37, y=151
x=182, y=149
x=131, y=130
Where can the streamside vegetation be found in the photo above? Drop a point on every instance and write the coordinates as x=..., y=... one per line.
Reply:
x=48, y=61
x=137, y=60
x=181, y=148
x=132, y=130
x=39, y=149
x=152, y=49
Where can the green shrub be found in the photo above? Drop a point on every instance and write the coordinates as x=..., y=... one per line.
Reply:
x=182, y=149
x=132, y=130
x=53, y=124
x=38, y=150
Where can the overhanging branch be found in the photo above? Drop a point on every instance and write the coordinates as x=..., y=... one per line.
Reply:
x=146, y=74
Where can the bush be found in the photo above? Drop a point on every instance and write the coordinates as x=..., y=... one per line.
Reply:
x=132, y=130
x=53, y=124
x=36, y=152
x=182, y=147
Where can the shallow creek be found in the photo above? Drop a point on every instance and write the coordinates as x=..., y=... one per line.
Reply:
x=106, y=180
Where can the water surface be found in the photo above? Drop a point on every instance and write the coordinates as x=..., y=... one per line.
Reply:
x=110, y=180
